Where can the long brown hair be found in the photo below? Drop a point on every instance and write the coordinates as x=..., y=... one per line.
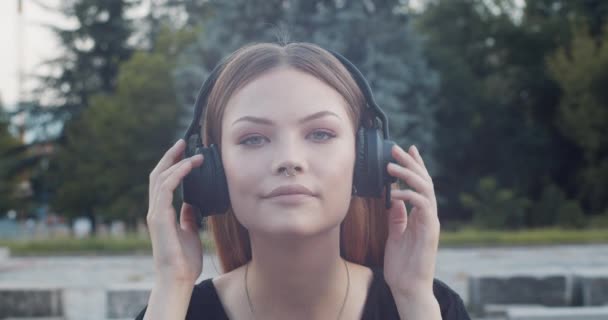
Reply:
x=364, y=231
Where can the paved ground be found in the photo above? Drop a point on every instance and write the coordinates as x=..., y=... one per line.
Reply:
x=86, y=277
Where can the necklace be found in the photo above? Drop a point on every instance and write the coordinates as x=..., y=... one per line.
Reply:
x=343, y=302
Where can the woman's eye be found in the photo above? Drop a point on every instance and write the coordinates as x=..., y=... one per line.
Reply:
x=258, y=140
x=322, y=135
x=252, y=141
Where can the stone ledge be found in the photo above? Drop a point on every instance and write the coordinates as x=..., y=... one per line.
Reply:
x=126, y=301
x=557, y=313
x=594, y=288
x=500, y=310
x=30, y=301
x=551, y=289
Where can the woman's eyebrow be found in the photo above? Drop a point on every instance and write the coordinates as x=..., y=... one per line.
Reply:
x=265, y=121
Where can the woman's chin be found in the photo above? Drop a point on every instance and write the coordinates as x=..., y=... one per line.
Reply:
x=293, y=226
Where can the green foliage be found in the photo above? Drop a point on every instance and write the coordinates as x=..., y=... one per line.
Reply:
x=581, y=69
x=502, y=107
x=486, y=123
x=598, y=221
x=570, y=215
x=104, y=168
x=494, y=207
x=544, y=211
x=91, y=50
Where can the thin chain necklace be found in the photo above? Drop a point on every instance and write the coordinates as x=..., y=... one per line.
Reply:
x=343, y=302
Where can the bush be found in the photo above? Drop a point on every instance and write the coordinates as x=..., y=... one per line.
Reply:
x=544, y=212
x=494, y=207
x=598, y=221
x=571, y=215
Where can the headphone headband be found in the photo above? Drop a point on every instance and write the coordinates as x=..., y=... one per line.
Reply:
x=203, y=95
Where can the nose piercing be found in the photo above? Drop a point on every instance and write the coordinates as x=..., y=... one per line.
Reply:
x=289, y=172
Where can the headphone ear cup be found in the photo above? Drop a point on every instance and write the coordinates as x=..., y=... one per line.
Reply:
x=205, y=187
x=373, y=155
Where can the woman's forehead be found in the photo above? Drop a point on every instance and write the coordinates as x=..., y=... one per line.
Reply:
x=285, y=94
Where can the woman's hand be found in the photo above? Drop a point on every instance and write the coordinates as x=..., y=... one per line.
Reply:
x=177, y=249
x=411, y=248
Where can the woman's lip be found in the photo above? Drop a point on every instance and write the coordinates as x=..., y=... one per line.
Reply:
x=290, y=199
x=291, y=189
x=293, y=195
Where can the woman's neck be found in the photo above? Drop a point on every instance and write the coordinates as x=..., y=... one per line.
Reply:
x=305, y=278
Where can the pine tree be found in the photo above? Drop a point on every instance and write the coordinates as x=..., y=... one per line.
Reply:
x=91, y=54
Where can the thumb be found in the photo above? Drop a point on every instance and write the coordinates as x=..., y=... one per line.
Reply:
x=397, y=219
x=187, y=218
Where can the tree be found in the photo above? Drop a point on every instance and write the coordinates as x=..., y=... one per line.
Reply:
x=495, y=114
x=581, y=69
x=87, y=65
x=91, y=54
x=103, y=169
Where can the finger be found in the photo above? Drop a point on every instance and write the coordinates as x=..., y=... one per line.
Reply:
x=187, y=218
x=406, y=160
x=167, y=187
x=167, y=173
x=397, y=219
x=416, y=154
x=155, y=184
x=414, y=198
x=412, y=179
x=164, y=175
x=173, y=155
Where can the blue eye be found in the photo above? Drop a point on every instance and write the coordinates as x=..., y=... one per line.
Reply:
x=252, y=141
x=322, y=135
x=257, y=140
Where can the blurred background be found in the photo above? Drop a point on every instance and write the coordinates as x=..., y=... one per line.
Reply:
x=506, y=99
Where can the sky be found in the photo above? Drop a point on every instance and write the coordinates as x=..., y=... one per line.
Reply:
x=38, y=43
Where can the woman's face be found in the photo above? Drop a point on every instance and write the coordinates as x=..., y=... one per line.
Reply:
x=288, y=118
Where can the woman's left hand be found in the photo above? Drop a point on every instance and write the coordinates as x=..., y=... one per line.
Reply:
x=411, y=248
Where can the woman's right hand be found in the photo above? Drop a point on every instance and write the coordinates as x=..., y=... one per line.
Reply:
x=177, y=248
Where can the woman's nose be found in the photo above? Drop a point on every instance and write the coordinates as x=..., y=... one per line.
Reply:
x=288, y=158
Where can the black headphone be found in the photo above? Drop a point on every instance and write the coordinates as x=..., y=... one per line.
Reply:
x=205, y=187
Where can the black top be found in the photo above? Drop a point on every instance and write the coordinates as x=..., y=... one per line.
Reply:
x=205, y=302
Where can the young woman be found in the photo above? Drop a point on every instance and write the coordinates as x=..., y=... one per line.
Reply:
x=295, y=243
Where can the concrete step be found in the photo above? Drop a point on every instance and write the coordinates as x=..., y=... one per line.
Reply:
x=557, y=313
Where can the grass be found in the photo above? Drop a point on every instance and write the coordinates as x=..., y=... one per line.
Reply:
x=466, y=237
x=87, y=246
